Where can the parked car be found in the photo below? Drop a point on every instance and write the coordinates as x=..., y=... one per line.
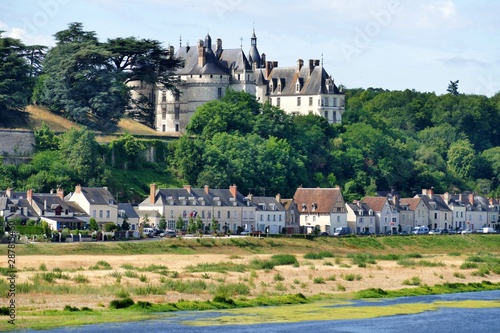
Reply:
x=342, y=231
x=465, y=231
x=438, y=231
x=168, y=234
x=421, y=230
x=365, y=233
x=487, y=230
x=324, y=233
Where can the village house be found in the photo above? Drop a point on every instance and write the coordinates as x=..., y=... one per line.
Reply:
x=321, y=209
x=97, y=203
x=292, y=216
x=269, y=214
x=387, y=216
x=360, y=218
x=440, y=215
x=229, y=208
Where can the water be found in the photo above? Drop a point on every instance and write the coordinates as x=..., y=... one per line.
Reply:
x=456, y=320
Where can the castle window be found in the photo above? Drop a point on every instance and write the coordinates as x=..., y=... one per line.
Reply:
x=334, y=116
x=177, y=96
x=326, y=115
x=327, y=101
x=310, y=101
x=163, y=96
x=163, y=113
x=278, y=102
x=298, y=101
x=177, y=112
x=219, y=92
x=163, y=128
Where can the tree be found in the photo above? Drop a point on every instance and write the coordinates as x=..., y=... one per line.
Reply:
x=125, y=224
x=453, y=88
x=15, y=79
x=191, y=228
x=93, y=225
x=163, y=223
x=199, y=224
x=45, y=138
x=462, y=159
x=215, y=225
x=179, y=224
x=81, y=83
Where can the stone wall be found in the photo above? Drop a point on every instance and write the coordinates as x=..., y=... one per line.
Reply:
x=16, y=143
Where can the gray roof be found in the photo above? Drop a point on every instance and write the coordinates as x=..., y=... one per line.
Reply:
x=312, y=83
x=365, y=208
x=437, y=199
x=268, y=203
x=49, y=202
x=98, y=196
x=197, y=197
x=4, y=203
x=190, y=56
x=128, y=209
x=235, y=59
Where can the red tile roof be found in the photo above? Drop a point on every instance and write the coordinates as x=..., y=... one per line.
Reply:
x=323, y=198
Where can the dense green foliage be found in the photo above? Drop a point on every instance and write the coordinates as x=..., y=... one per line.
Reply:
x=389, y=139
x=86, y=80
x=18, y=66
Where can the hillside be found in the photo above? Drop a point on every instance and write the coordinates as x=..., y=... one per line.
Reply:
x=39, y=115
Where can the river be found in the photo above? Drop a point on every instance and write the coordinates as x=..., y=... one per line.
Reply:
x=447, y=314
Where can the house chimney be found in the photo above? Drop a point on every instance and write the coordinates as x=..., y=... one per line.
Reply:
x=60, y=193
x=78, y=189
x=491, y=202
x=8, y=192
x=430, y=192
x=171, y=52
x=316, y=62
x=45, y=205
x=218, y=47
x=300, y=63
x=202, y=59
x=29, y=196
x=233, y=189
x=278, y=197
x=447, y=197
x=471, y=198
x=152, y=193
x=250, y=197
x=460, y=197
x=187, y=188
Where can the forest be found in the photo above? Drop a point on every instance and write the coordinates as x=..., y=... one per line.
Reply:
x=389, y=140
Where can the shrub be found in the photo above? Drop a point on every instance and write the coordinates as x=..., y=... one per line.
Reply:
x=415, y=281
x=80, y=278
x=459, y=275
x=319, y=280
x=468, y=265
x=278, y=277
x=121, y=303
x=317, y=256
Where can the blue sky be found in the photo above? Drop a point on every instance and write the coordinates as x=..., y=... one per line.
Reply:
x=390, y=44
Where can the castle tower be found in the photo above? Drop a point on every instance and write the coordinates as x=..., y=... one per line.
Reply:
x=253, y=54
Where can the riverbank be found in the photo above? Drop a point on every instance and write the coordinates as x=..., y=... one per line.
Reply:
x=192, y=273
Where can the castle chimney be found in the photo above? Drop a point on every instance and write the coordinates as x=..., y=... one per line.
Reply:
x=269, y=68
x=218, y=47
x=233, y=189
x=202, y=59
x=311, y=66
x=207, y=189
x=170, y=52
x=152, y=193
x=187, y=188
x=300, y=63
x=60, y=193
x=316, y=62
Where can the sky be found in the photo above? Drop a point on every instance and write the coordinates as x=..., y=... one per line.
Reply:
x=389, y=44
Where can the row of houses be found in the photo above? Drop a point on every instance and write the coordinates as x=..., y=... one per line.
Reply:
x=310, y=210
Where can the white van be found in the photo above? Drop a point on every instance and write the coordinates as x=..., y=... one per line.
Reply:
x=487, y=230
x=147, y=231
x=420, y=230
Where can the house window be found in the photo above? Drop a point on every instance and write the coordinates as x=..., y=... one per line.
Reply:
x=435, y=216
x=209, y=214
x=361, y=220
x=245, y=215
x=202, y=214
x=334, y=101
x=108, y=214
x=445, y=216
x=461, y=214
x=338, y=218
x=334, y=116
x=235, y=215
x=326, y=114
x=163, y=113
x=100, y=214
x=279, y=218
x=177, y=97
x=327, y=100
x=274, y=218
x=262, y=217
x=219, y=92
x=171, y=214
x=298, y=101
x=218, y=214
x=268, y=217
x=278, y=102
x=94, y=213
x=177, y=111
x=310, y=101
x=228, y=214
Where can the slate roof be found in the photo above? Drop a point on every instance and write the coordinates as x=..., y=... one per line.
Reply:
x=323, y=198
x=313, y=83
x=128, y=209
x=98, y=196
x=170, y=197
x=50, y=201
x=5, y=203
x=437, y=199
x=268, y=203
x=190, y=56
x=365, y=208
x=235, y=59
